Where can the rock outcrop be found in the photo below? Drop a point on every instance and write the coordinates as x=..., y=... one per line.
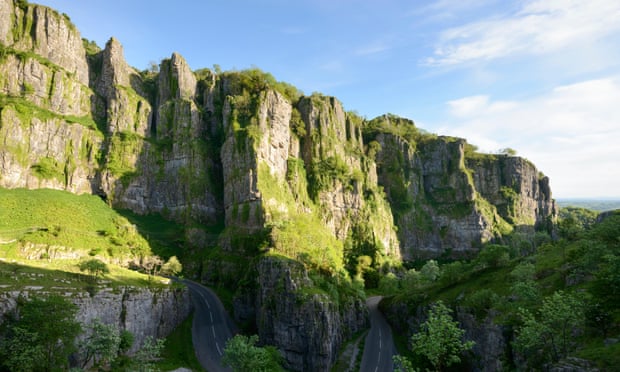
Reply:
x=308, y=326
x=281, y=173
x=448, y=200
x=490, y=350
x=143, y=312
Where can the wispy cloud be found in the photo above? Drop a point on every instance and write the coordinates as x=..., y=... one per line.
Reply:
x=371, y=49
x=538, y=27
x=571, y=133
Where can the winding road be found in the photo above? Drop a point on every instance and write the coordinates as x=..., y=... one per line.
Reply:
x=211, y=328
x=379, y=346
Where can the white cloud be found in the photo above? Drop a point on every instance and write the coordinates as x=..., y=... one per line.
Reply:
x=572, y=133
x=539, y=27
x=371, y=49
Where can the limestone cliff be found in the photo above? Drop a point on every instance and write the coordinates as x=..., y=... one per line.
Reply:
x=449, y=200
x=304, y=191
x=491, y=343
x=143, y=312
x=308, y=326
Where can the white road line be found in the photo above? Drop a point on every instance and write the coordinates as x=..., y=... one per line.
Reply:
x=213, y=330
x=218, y=348
x=211, y=315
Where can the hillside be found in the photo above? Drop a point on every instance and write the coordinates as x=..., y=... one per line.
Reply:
x=289, y=204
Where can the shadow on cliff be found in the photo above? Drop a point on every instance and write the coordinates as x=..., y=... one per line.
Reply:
x=166, y=238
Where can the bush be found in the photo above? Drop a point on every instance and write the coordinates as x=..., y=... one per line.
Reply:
x=493, y=256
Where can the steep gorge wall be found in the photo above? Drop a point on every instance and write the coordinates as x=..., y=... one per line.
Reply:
x=143, y=312
x=448, y=200
x=300, y=173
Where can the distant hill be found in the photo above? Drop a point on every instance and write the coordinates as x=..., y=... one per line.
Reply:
x=600, y=205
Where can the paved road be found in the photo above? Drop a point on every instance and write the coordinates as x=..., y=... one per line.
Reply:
x=379, y=347
x=211, y=328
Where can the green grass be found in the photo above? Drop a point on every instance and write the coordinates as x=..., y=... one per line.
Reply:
x=26, y=110
x=45, y=233
x=607, y=357
x=64, y=275
x=165, y=237
x=59, y=218
x=179, y=351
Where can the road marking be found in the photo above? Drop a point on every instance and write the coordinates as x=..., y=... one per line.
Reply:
x=218, y=348
x=213, y=330
x=211, y=315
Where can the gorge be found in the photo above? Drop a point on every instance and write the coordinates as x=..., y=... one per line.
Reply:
x=294, y=203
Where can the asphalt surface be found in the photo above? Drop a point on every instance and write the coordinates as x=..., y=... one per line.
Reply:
x=379, y=347
x=211, y=328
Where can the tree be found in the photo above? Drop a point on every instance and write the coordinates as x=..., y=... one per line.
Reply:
x=388, y=284
x=242, y=355
x=43, y=337
x=548, y=337
x=149, y=353
x=102, y=346
x=524, y=286
x=152, y=264
x=440, y=338
x=493, y=255
x=94, y=267
x=172, y=267
x=411, y=279
x=19, y=350
x=508, y=151
x=430, y=271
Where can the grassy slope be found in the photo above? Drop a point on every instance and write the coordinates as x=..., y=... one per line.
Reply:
x=75, y=224
x=81, y=217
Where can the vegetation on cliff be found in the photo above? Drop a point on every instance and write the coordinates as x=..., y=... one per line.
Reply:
x=288, y=204
x=555, y=298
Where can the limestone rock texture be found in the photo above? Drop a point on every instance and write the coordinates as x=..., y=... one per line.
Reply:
x=307, y=327
x=143, y=312
x=447, y=200
x=491, y=343
x=294, y=190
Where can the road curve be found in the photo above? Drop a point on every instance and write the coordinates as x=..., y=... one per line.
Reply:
x=379, y=346
x=211, y=328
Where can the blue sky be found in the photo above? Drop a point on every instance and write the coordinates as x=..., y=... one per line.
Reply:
x=539, y=76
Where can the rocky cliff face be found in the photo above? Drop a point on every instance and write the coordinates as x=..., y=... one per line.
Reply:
x=491, y=345
x=141, y=311
x=448, y=200
x=284, y=174
x=308, y=326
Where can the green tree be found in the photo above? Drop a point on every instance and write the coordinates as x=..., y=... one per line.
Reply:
x=388, y=284
x=126, y=341
x=430, y=271
x=102, y=345
x=411, y=279
x=523, y=285
x=440, y=339
x=43, y=337
x=452, y=273
x=19, y=350
x=146, y=357
x=94, y=267
x=508, y=151
x=242, y=355
x=493, y=255
x=172, y=266
x=547, y=338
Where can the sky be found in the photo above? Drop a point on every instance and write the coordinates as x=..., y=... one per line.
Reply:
x=538, y=76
